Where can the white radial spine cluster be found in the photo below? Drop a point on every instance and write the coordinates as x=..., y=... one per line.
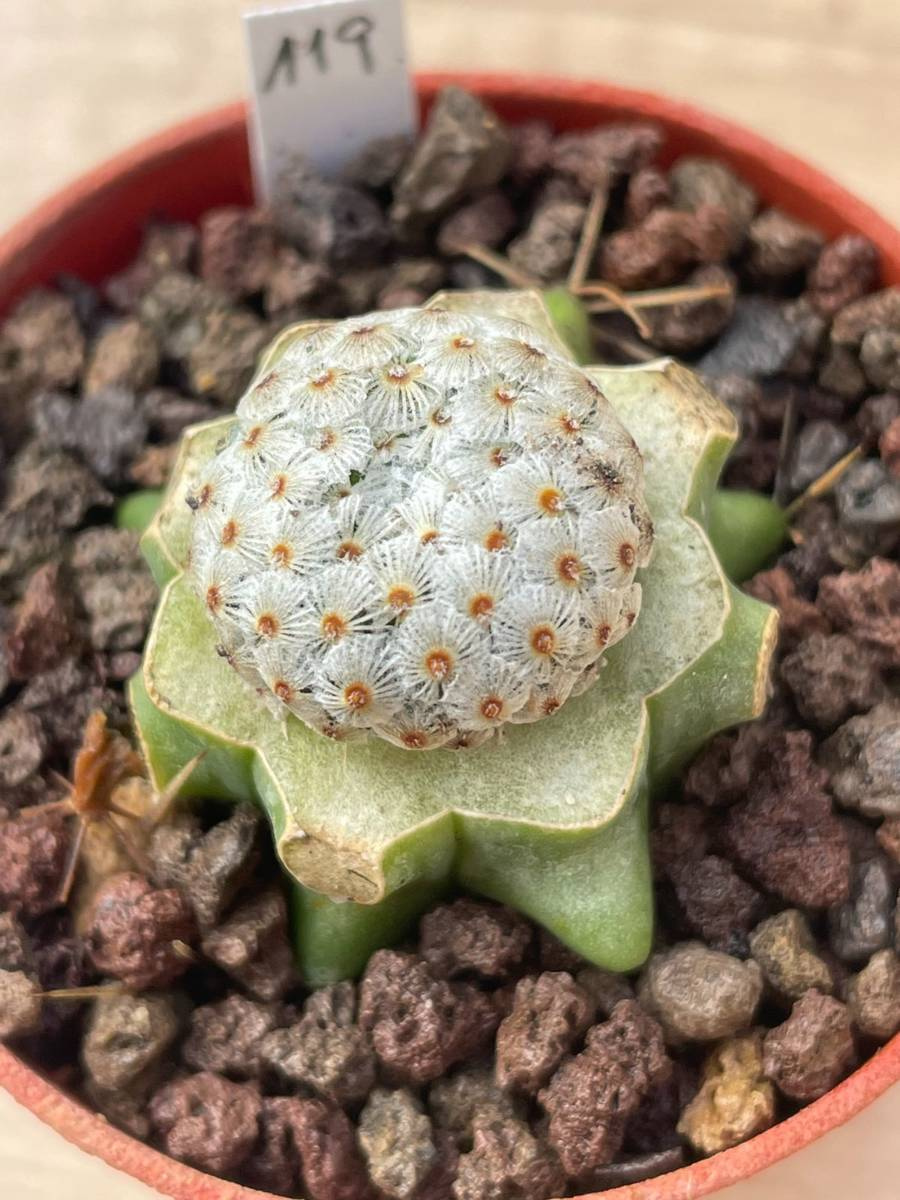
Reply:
x=424, y=525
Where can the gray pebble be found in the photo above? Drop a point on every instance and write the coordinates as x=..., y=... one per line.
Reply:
x=759, y=342
x=395, y=1137
x=126, y=1035
x=20, y=1004
x=862, y=925
x=785, y=949
x=818, y=446
x=868, y=502
x=841, y=373
x=463, y=149
x=873, y=996
x=863, y=760
x=879, y=355
x=698, y=994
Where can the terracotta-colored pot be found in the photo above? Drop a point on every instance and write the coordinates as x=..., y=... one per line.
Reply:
x=92, y=228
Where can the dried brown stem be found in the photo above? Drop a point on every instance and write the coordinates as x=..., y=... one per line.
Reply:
x=72, y=861
x=617, y=301
x=825, y=482
x=51, y=806
x=169, y=794
x=497, y=263
x=590, y=232
x=94, y=992
x=654, y=298
x=128, y=844
x=785, y=448
x=183, y=950
x=626, y=346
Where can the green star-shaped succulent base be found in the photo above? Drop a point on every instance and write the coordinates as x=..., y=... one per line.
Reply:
x=552, y=818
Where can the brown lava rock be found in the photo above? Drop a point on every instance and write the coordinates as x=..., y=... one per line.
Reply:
x=595, y=157
x=44, y=330
x=227, y=1037
x=332, y=1166
x=467, y=1098
x=546, y=249
x=549, y=1014
x=716, y=903
x=507, y=1162
x=866, y=603
x=846, y=269
x=889, y=447
x=591, y=1097
x=125, y=355
x=46, y=627
x=34, y=850
x=604, y=988
x=807, y=1055
x=832, y=677
x=325, y=1050
x=421, y=1025
x=785, y=834
x=133, y=928
x=798, y=617
x=115, y=587
x=208, y=867
x=207, y=1121
x=698, y=181
x=780, y=246
x=251, y=945
x=474, y=938
x=23, y=749
x=237, y=248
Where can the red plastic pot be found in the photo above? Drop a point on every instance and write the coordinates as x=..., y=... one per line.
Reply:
x=93, y=227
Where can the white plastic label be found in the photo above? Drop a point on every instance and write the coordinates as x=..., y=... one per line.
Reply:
x=327, y=77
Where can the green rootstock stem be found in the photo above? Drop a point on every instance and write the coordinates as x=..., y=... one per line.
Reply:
x=333, y=941
x=746, y=529
x=136, y=510
x=571, y=321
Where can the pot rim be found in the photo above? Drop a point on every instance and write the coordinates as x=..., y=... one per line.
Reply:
x=20, y=250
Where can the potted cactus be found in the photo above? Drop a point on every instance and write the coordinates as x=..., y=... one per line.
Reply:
x=453, y=607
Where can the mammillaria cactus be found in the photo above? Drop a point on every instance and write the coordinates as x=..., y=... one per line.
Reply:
x=421, y=525
x=425, y=527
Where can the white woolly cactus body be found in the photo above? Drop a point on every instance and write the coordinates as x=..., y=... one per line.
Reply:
x=423, y=525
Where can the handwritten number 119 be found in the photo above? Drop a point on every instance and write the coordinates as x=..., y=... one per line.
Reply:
x=354, y=31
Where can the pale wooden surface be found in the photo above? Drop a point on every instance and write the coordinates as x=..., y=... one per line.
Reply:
x=81, y=79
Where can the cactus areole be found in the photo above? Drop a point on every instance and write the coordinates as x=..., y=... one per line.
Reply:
x=444, y=604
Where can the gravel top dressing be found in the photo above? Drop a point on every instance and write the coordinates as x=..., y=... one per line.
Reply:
x=146, y=957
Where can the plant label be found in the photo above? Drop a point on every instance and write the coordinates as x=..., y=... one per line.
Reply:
x=327, y=76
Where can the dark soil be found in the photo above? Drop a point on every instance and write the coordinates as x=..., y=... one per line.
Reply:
x=481, y=1060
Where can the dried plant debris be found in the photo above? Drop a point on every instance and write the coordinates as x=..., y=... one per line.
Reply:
x=484, y=1060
